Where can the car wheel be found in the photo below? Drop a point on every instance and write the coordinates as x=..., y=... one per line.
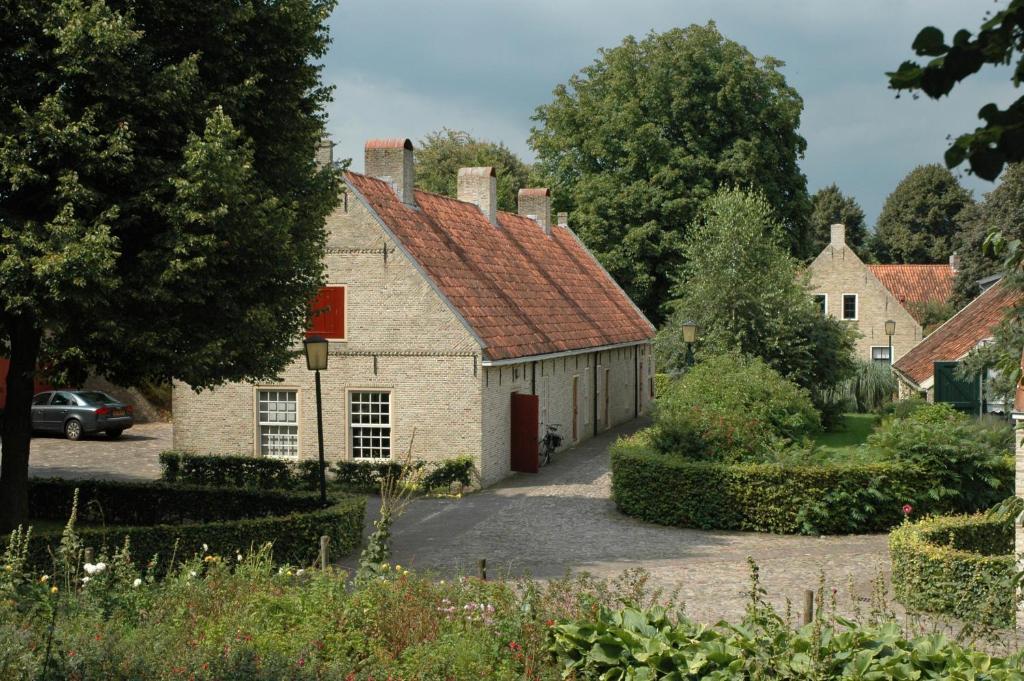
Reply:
x=73, y=429
x=114, y=433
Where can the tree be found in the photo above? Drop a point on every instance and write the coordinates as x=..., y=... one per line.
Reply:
x=161, y=214
x=999, y=40
x=636, y=141
x=1002, y=210
x=442, y=153
x=830, y=206
x=746, y=293
x=918, y=222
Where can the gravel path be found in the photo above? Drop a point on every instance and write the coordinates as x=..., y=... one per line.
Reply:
x=563, y=519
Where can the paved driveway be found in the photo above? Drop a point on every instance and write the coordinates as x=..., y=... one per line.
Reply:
x=563, y=519
x=134, y=456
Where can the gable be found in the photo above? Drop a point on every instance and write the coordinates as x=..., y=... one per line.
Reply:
x=522, y=293
x=916, y=285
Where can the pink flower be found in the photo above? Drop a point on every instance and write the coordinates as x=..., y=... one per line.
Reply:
x=907, y=509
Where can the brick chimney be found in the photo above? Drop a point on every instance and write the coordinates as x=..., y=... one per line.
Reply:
x=535, y=203
x=324, y=152
x=391, y=160
x=479, y=186
x=838, y=235
x=563, y=219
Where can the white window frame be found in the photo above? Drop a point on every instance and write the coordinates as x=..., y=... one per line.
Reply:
x=261, y=424
x=824, y=311
x=353, y=426
x=882, y=347
x=856, y=308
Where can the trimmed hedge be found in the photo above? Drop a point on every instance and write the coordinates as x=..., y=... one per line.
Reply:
x=156, y=515
x=780, y=498
x=238, y=471
x=956, y=565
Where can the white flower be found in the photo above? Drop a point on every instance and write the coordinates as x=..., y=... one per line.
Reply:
x=137, y=583
x=239, y=557
x=300, y=571
x=192, y=573
x=44, y=579
x=85, y=580
x=91, y=569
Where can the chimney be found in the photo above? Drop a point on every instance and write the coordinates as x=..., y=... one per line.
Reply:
x=563, y=220
x=479, y=186
x=391, y=160
x=324, y=152
x=838, y=235
x=954, y=262
x=535, y=203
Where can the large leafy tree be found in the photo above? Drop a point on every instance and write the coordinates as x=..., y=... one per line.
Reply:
x=161, y=215
x=830, y=206
x=918, y=222
x=1002, y=210
x=442, y=153
x=747, y=293
x=636, y=141
x=999, y=40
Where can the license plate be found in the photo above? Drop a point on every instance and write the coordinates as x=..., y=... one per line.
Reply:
x=119, y=412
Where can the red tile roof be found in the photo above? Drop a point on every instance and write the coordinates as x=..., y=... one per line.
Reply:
x=916, y=284
x=389, y=143
x=521, y=292
x=958, y=336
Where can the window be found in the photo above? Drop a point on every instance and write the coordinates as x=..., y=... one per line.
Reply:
x=278, y=423
x=41, y=399
x=370, y=422
x=850, y=306
x=880, y=354
x=821, y=299
x=329, y=313
x=61, y=399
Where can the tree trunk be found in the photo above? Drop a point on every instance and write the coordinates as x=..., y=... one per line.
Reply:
x=17, y=423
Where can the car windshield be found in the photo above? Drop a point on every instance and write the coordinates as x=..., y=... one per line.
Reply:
x=95, y=397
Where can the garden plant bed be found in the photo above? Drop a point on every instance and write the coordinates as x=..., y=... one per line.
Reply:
x=160, y=519
x=957, y=565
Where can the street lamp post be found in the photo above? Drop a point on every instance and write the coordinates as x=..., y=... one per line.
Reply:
x=316, y=359
x=689, y=337
x=890, y=329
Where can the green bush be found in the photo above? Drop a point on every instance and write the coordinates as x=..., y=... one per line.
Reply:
x=870, y=389
x=732, y=408
x=365, y=476
x=957, y=565
x=661, y=384
x=964, y=457
x=156, y=516
x=237, y=471
x=445, y=473
x=763, y=497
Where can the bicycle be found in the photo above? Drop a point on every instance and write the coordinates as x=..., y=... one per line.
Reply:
x=549, y=443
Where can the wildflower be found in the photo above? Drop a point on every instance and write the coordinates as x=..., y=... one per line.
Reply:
x=85, y=580
x=397, y=566
x=91, y=569
x=192, y=573
x=205, y=548
x=907, y=509
x=44, y=579
x=512, y=645
x=137, y=583
x=300, y=571
x=385, y=567
x=239, y=557
x=53, y=589
x=550, y=623
x=441, y=582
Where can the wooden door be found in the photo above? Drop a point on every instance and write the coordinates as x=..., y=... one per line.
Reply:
x=575, y=408
x=525, y=442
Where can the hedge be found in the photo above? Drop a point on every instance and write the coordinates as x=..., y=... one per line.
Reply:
x=238, y=471
x=156, y=515
x=780, y=498
x=956, y=565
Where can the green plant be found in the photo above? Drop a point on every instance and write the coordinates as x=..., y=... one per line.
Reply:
x=958, y=565
x=870, y=389
x=365, y=476
x=661, y=384
x=962, y=456
x=443, y=474
x=227, y=470
x=731, y=408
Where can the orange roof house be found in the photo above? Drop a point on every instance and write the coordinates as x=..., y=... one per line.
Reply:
x=951, y=342
x=917, y=285
x=453, y=329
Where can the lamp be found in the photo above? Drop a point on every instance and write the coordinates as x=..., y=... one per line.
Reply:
x=316, y=359
x=890, y=329
x=689, y=337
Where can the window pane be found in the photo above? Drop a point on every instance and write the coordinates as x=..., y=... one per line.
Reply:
x=849, y=307
x=278, y=419
x=369, y=417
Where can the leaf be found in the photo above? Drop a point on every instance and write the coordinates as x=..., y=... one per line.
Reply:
x=930, y=42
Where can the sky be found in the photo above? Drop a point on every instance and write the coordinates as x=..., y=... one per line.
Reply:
x=405, y=68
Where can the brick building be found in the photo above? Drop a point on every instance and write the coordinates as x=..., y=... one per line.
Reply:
x=441, y=314
x=870, y=295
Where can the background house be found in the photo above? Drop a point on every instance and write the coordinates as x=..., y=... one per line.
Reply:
x=452, y=326
x=870, y=295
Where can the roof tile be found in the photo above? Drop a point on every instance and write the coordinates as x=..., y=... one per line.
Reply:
x=913, y=285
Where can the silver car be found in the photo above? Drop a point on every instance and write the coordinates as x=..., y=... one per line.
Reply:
x=78, y=412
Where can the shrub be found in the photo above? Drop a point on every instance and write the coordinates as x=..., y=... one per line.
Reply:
x=870, y=389
x=158, y=516
x=448, y=472
x=661, y=385
x=763, y=497
x=236, y=471
x=957, y=565
x=365, y=476
x=963, y=456
x=732, y=408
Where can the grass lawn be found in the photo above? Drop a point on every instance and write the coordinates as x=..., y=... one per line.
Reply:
x=844, y=443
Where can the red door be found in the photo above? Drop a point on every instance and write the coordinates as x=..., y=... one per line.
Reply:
x=525, y=428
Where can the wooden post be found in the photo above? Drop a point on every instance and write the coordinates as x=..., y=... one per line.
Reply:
x=325, y=552
x=808, y=606
x=87, y=554
x=482, y=566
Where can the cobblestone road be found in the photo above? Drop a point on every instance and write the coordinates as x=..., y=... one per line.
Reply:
x=135, y=456
x=563, y=519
